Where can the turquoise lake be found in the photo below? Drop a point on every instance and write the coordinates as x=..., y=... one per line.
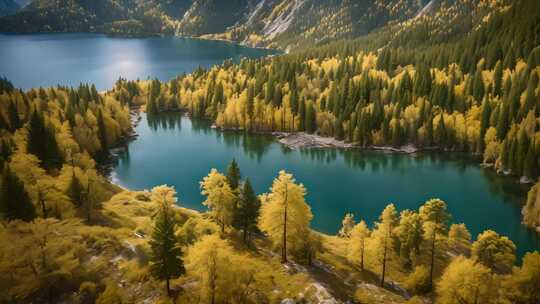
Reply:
x=178, y=151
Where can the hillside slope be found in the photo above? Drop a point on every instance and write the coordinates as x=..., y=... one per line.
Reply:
x=279, y=24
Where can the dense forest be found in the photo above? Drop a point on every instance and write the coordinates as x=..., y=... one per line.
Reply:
x=97, y=243
x=50, y=142
x=69, y=235
x=439, y=81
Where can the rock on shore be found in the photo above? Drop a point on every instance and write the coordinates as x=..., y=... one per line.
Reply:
x=305, y=140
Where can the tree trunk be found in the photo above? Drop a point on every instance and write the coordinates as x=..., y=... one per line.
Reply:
x=213, y=277
x=245, y=232
x=434, y=238
x=284, y=247
x=168, y=287
x=384, y=259
x=88, y=203
x=432, y=259
x=362, y=256
x=283, y=119
x=42, y=203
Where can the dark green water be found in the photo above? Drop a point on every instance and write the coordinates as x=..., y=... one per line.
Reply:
x=69, y=59
x=177, y=151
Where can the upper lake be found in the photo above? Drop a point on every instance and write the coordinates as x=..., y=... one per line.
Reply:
x=179, y=151
x=69, y=59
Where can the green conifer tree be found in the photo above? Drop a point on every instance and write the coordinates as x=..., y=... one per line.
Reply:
x=440, y=133
x=13, y=116
x=310, y=118
x=15, y=204
x=247, y=211
x=102, y=131
x=42, y=143
x=75, y=191
x=233, y=175
x=478, y=86
x=166, y=255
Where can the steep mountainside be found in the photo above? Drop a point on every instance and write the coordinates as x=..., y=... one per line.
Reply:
x=112, y=16
x=8, y=7
x=283, y=24
x=63, y=16
x=213, y=16
x=292, y=24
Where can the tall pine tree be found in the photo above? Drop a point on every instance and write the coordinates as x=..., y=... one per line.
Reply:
x=15, y=204
x=247, y=211
x=233, y=175
x=166, y=254
x=42, y=142
x=102, y=131
x=75, y=191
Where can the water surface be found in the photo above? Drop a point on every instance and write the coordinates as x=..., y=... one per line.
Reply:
x=178, y=151
x=69, y=59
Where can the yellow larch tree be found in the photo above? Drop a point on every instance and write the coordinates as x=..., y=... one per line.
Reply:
x=285, y=216
x=357, y=244
x=220, y=198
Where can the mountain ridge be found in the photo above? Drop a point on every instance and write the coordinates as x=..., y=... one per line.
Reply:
x=280, y=24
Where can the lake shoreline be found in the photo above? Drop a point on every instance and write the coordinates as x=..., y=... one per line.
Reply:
x=234, y=42
x=301, y=140
x=126, y=179
x=139, y=121
x=152, y=35
x=156, y=56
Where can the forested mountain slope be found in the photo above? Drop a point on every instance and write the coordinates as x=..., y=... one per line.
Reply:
x=280, y=24
x=123, y=16
x=291, y=24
